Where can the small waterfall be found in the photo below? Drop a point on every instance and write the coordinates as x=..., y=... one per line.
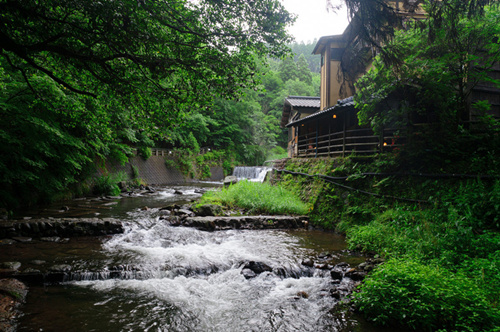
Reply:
x=251, y=173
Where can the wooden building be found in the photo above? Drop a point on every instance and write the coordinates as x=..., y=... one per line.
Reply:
x=297, y=108
x=328, y=125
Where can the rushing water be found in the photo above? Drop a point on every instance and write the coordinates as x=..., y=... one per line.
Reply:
x=251, y=173
x=182, y=279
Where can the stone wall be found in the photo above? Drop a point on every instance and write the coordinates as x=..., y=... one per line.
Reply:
x=155, y=172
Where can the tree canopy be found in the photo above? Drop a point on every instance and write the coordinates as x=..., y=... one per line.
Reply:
x=176, y=47
x=83, y=81
x=376, y=21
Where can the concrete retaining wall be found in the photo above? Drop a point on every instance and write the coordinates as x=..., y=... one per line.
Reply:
x=155, y=172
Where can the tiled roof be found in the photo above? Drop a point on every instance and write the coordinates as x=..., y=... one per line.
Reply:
x=300, y=101
x=341, y=104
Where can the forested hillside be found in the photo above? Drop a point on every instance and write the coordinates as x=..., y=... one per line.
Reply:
x=71, y=100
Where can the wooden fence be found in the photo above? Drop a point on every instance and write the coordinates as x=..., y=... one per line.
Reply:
x=359, y=141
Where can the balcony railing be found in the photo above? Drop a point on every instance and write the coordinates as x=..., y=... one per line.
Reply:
x=359, y=141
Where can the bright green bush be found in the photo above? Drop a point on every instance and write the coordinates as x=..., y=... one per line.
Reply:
x=108, y=184
x=257, y=198
x=424, y=298
x=145, y=152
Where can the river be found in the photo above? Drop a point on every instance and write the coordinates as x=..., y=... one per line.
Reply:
x=182, y=279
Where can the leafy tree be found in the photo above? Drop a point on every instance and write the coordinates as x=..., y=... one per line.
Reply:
x=306, y=49
x=303, y=71
x=176, y=47
x=433, y=78
x=376, y=21
x=288, y=69
x=81, y=81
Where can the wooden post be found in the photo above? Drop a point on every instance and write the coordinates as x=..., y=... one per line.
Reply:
x=343, y=136
x=317, y=131
x=381, y=141
x=329, y=136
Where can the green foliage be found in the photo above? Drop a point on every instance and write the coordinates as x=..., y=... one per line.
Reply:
x=303, y=71
x=425, y=298
x=305, y=49
x=70, y=99
x=187, y=49
x=442, y=256
x=257, y=198
x=135, y=172
x=120, y=152
x=145, y=152
x=277, y=153
x=227, y=167
x=427, y=74
x=108, y=184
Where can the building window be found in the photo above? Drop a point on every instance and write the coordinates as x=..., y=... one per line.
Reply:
x=336, y=54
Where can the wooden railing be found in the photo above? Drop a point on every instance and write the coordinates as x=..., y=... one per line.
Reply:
x=359, y=141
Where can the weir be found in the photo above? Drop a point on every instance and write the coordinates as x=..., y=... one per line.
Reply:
x=251, y=173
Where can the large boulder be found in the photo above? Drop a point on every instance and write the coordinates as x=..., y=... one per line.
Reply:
x=208, y=210
x=12, y=294
x=231, y=179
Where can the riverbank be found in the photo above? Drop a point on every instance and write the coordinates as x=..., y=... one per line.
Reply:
x=439, y=235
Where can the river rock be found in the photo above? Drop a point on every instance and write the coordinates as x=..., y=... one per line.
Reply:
x=342, y=265
x=22, y=239
x=10, y=266
x=50, y=239
x=336, y=275
x=209, y=210
x=355, y=275
x=366, y=266
x=335, y=293
x=231, y=179
x=308, y=262
x=12, y=294
x=184, y=212
x=257, y=267
x=60, y=268
x=248, y=274
x=38, y=262
x=164, y=212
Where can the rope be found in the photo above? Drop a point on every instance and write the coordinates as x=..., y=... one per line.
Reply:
x=330, y=179
x=428, y=175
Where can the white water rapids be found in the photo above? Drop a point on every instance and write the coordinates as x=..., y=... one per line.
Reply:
x=182, y=279
x=199, y=274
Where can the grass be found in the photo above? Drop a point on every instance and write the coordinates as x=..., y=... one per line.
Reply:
x=257, y=198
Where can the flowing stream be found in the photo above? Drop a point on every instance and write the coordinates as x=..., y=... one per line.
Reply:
x=156, y=277
x=251, y=173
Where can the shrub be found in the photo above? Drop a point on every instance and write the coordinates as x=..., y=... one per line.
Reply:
x=424, y=298
x=108, y=184
x=145, y=152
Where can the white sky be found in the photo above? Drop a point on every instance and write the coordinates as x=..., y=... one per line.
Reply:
x=313, y=21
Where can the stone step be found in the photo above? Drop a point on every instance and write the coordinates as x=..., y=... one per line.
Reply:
x=243, y=222
x=63, y=227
